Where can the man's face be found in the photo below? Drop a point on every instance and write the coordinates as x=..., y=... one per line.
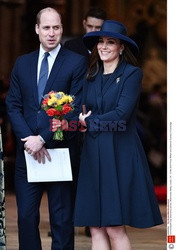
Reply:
x=92, y=24
x=49, y=30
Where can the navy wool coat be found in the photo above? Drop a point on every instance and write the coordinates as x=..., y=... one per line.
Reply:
x=115, y=186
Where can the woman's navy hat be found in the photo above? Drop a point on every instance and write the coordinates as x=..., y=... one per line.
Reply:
x=110, y=28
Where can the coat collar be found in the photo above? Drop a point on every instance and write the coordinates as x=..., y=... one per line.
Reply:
x=115, y=77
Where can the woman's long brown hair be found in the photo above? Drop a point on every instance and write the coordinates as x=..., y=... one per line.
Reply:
x=95, y=62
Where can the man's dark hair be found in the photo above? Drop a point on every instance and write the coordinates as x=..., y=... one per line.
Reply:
x=97, y=13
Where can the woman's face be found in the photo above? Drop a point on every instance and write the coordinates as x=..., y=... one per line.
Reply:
x=109, y=49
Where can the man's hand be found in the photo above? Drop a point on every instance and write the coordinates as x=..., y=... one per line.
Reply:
x=41, y=154
x=32, y=144
x=55, y=123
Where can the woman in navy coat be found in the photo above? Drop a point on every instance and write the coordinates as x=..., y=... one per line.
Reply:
x=115, y=187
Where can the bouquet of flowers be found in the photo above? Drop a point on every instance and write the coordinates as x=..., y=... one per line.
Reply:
x=58, y=104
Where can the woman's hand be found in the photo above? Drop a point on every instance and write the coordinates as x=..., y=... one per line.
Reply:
x=83, y=117
x=82, y=120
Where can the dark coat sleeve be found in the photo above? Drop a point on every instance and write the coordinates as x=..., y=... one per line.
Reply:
x=14, y=103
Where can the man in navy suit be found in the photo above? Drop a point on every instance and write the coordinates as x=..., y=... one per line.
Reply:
x=92, y=21
x=31, y=126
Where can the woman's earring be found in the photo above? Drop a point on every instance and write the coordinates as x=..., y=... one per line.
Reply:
x=120, y=52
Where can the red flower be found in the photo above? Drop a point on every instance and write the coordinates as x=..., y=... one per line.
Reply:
x=51, y=112
x=66, y=109
x=45, y=101
x=57, y=109
x=58, y=113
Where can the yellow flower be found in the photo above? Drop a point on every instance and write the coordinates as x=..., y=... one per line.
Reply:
x=64, y=99
x=52, y=101
x=59, y=101
x=52, y=94
x=70, y=99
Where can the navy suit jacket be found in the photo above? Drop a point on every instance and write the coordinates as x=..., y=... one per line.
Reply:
x=25, y=113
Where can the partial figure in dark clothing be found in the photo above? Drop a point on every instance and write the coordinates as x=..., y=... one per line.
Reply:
x=93, y=21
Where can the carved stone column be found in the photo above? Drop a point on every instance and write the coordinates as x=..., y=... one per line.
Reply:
x=2, y=200
x=114, y=8
x=10, y=26
x=74, y=15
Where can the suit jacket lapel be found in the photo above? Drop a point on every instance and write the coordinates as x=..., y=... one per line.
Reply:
x=55, y=70
x=98, y=85
x=34, y=63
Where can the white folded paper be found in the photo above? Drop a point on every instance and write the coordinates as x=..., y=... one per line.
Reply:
x=58, y=169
